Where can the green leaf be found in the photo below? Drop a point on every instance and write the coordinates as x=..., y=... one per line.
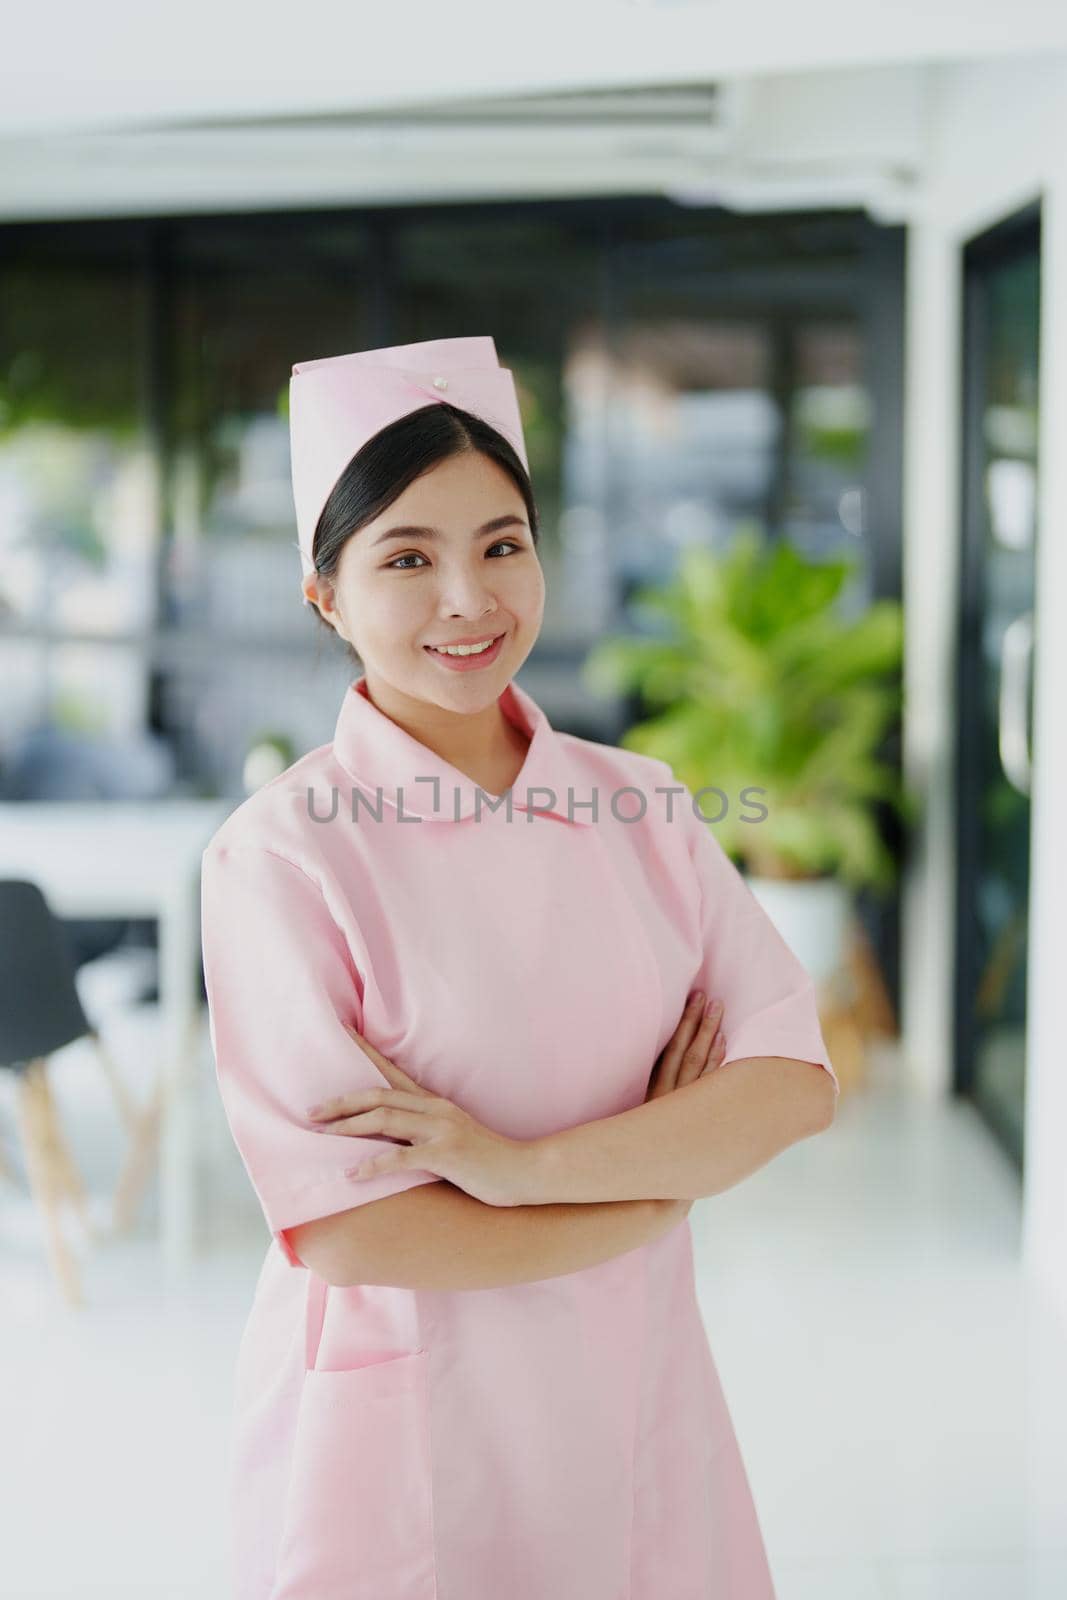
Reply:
x=754, y=679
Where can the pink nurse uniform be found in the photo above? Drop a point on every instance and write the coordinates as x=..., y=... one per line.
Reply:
x=565, y=1439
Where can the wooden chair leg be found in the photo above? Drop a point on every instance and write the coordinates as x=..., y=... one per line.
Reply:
x=72, y=1184
x=125, y=1101
x=7, y=1171
x=48, y=1182
x=141, y=1157
x=142, y=1125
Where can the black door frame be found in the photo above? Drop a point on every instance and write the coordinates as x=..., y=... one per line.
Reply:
x=1011, y=236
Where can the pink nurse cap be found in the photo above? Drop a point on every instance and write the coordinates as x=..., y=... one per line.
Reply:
x=336, y=404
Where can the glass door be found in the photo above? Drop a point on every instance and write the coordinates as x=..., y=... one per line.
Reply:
x=997, y=624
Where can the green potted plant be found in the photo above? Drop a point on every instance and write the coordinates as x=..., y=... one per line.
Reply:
x=757, y=687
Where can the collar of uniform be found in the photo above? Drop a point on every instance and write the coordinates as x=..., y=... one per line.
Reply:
x=379, y=755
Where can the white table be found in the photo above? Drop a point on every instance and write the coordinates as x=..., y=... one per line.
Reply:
x=135, y=859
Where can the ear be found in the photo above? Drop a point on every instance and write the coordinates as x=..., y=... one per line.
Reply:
x=320, y=592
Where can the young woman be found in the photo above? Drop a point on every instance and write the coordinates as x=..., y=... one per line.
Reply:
x=490, y=1008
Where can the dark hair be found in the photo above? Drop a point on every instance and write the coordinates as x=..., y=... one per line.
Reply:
x=384, y=467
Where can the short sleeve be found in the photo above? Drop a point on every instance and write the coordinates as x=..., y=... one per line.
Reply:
x=281, y=986
x=769, y=1001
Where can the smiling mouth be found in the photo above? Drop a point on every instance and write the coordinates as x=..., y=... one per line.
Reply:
x=460, y=648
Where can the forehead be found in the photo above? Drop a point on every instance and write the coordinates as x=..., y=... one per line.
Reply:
x=457, y=490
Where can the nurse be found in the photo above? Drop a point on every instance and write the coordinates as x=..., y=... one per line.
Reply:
x=490, y=1009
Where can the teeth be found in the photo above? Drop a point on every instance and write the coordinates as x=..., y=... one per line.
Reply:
x=463, y=649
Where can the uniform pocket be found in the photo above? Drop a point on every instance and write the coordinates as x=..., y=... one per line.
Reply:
x=358, y=1519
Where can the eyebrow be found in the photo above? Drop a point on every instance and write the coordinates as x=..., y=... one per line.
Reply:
x=414, y=532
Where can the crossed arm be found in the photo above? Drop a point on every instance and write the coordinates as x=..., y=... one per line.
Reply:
x=596, y=1190
x=700, y=1139
x=587, y=1194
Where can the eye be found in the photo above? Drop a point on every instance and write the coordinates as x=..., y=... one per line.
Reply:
x=510, y=544
x=410, y=557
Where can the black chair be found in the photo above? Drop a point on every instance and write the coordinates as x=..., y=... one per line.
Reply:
x=40, y=1012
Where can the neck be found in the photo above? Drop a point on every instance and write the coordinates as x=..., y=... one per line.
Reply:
x=467, y=740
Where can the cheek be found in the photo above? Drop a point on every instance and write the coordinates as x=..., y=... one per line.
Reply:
x=524, y=592
x=387, y=608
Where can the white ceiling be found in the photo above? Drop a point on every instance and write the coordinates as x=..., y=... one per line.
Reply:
x=110, y=63
x=850, y=138
x=120, y=107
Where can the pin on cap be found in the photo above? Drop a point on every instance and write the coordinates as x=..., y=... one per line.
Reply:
x=339, y=402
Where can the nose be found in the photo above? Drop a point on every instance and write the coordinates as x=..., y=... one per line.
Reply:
x=466, y=592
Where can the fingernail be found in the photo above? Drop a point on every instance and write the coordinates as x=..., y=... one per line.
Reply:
x=697, y=999
x=313, y=1111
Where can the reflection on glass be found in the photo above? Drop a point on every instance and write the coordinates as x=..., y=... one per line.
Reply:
x=829, y=419
x=78, y=479
x=250, y=300
x=683, y=429
x=79, y=517
x=691, y=433
x=670, y=390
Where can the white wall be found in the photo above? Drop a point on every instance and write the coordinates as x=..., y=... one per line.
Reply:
x=997, y=139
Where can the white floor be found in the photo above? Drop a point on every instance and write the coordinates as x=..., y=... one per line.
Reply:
x=901, y=1400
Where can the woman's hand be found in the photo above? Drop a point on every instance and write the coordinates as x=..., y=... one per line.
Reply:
x=441, y=1137
x=696, y=1046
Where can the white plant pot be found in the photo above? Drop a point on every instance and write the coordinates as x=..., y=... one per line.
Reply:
x=811, y=915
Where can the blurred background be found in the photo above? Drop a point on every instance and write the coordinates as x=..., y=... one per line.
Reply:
x=785, y=297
